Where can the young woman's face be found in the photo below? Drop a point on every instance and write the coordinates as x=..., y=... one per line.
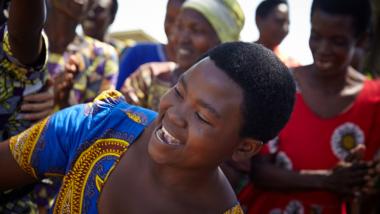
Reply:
x=199, y=119
x=172, y=10
x=75, y=9
x=275, y=26
x=192, y=37
x=332, y=41
x=98, y=20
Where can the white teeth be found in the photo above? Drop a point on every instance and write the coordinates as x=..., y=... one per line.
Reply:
x=165, y=137
x=323, y=64
x=169, y=138
x=183, y=51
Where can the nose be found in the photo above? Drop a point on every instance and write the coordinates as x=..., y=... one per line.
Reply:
x=323, y=47
x=183, y=35
x=176, y=116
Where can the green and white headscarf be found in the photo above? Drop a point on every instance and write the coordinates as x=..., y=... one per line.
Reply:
x=225, y=16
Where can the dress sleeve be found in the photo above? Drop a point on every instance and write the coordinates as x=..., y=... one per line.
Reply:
x=111, y=69
x=48, y=148
x=235, y=210
x=44, y=149
x=23, y=71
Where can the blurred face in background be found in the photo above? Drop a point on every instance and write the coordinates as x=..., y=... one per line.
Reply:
x=193, y=36
x=75, y=9
x=99, y=19
x=332, y=42
x=274, y=27
x=172, y=10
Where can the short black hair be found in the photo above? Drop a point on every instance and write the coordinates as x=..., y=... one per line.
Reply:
x=359, y=10
x=266, y=6
x=114, y=8
x=268, y=87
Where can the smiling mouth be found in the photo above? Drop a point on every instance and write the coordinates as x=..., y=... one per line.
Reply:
x=323, y=63
x=183, y=51
x=166, y=138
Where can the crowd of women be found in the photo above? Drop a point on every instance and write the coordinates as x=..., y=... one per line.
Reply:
x=241, y=127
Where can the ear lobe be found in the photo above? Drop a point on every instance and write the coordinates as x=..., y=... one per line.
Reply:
x=246, y=149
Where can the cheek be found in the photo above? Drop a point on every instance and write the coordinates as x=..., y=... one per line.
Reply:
x=345, y=54
x=203, y=43
x=166, y=101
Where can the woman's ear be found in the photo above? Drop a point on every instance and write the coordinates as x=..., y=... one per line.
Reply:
x=247, y=148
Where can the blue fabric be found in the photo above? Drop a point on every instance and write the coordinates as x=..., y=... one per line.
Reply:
x=137, y=55
x=81, y=144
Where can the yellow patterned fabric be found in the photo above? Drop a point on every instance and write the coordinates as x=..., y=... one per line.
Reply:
x=235, y=210
x=98, y=70
x=72, y=193
x=24, y=144
x=82, y=144
x=16, y=81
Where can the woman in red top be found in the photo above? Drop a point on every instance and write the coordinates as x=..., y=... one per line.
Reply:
x=321, y=158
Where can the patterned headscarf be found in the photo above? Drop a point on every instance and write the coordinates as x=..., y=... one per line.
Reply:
x=225, y=16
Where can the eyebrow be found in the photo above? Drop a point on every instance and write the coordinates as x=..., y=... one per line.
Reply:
x=202, y=103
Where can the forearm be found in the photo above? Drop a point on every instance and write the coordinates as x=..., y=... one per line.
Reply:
x=26, y=20
x=271, y=177
x=11, y=175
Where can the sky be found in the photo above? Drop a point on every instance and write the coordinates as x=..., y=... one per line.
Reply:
x=148, y=15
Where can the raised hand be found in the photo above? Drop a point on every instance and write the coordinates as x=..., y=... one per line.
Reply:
x=63, y=83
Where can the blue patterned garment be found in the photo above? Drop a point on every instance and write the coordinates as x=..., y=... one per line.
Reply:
x=16, y=81
x=81, y=144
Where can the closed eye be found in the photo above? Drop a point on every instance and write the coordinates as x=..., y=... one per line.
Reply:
x=202, y=118
x=178, y=94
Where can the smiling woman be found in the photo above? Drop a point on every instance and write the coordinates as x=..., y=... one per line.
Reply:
x=323, y=156
x=200, y=26
x=118, y=158
x=132, y=15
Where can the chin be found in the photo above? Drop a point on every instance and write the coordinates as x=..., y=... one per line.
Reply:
x=156, y=155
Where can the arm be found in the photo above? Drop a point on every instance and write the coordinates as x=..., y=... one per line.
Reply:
x=44, y=149
x=11, y=173
x=341, y=180
x=136, y=86
x=26, y=19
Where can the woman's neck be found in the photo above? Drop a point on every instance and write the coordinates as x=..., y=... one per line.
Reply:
x=170, y=177
x=60, y=30
x=265, y=44
x=336, y=83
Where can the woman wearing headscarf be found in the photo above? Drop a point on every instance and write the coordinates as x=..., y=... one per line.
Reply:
x=200, y=26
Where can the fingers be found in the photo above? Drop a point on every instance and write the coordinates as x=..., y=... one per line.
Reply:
x=37, y=116
x=38, y=97
x=73, y=64
x=37, y=107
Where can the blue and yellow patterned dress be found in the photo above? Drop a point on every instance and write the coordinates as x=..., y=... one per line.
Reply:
x=82, y=145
